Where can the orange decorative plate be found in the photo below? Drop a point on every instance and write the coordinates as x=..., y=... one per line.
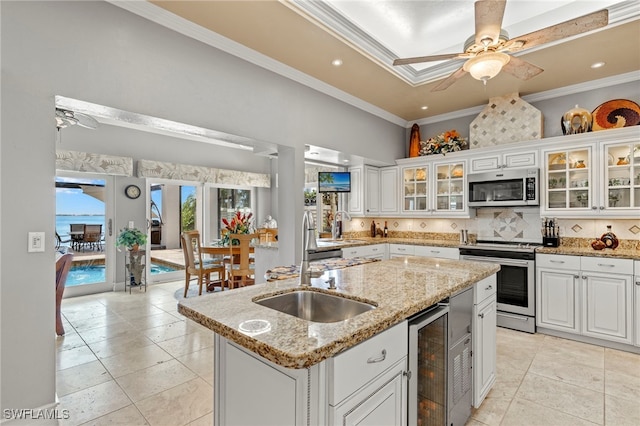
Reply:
x=616, y=113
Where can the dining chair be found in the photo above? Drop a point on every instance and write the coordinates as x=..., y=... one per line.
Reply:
x=93, y=236
x=241, y=268
x=63, y=265
x=268, y=235
x=196, y=265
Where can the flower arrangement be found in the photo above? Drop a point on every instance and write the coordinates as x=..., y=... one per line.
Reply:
x=445, y=142
x=130, y=238
x=240, y=223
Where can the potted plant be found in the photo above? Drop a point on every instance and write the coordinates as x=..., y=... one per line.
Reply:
x=132, y=239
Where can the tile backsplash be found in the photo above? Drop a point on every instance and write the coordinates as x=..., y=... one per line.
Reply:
x=517, y=224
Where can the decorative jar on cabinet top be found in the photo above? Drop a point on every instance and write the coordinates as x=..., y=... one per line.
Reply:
x=576, y=120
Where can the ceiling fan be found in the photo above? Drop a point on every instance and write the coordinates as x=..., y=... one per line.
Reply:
x=66, y=118
x=486, y=50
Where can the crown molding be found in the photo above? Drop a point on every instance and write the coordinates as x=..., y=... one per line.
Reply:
x=167, y=19
x=540, y=96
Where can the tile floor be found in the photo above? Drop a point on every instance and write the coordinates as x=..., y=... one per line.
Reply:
x=131, y=359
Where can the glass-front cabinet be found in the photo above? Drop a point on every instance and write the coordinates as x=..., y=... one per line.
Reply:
x=622, y=175
x=588, y=180
x=449, y=187
x=414, y=192
x=569, y=183
x=434, y=188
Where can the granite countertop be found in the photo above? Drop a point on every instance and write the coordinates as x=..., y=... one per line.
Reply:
x=588, y=251
x=327, y=244
x=399, y=287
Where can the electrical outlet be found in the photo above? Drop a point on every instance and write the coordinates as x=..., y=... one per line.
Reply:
x=131, y=225
x=36, y=242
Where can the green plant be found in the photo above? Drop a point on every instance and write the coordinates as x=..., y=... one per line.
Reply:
x=129, y=237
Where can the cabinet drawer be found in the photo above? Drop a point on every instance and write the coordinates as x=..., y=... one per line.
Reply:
x=359, y=365
x=484, y=289
x=556, y=261
x=443, y=252
x=637, y=267
x=401, y=249
x=606, y=265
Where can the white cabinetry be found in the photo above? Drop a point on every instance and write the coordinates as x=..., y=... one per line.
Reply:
x=504, y=160
x=368, y=384
x=441, y=252
x=363, y=385
x=484, y=338
x=593, y=179
x=373, y=191
x=375, y=251
x=590, y=296
x=400, y=250
x=389, y=184
x=434, y=189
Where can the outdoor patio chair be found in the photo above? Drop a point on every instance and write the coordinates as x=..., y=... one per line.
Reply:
x=195, y=265
x=63, y=265
x=76, y=231
x=92, y=236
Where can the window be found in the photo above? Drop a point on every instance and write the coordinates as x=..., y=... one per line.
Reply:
x=231, y=200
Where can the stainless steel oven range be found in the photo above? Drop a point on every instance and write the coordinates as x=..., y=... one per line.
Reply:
x=515, y=280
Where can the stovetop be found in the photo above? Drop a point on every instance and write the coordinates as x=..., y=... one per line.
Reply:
x=527, y=247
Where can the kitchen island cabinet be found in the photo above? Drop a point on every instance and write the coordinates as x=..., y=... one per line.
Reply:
x=255, y=345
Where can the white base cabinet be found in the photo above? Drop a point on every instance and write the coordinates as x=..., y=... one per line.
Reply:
x=484, y=339
x=365, y=385
x=375, y=251
x=590, y=296
x=636, y=297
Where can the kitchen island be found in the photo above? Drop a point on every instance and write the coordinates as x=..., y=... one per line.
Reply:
x=279, y=365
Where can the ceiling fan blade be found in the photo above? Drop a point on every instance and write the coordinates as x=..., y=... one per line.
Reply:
x=489, y=15
x=432, y=58
x=521, y=69
x=565, y=29
x=455, y=76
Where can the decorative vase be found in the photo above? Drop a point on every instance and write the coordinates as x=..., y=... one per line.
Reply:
x=414, y=141
x=136, y=267
x=622, y=161
x=580, y=164
x=576, y=120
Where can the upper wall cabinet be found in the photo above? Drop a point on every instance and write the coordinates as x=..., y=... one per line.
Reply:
x=374, y=191
x=434, y=189
x=499, y=160
x=596, y=179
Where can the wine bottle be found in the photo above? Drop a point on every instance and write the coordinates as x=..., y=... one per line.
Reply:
x=609, y=238
x=373, y=229
x=385, y=232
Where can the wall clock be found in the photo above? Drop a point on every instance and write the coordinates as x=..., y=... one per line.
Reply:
x=132, y=191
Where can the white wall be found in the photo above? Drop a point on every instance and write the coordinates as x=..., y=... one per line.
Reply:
x=96, y=52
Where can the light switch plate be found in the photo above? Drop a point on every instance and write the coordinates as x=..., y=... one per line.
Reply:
x=36, y=242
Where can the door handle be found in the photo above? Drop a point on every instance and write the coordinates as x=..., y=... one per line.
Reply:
x=110, y=226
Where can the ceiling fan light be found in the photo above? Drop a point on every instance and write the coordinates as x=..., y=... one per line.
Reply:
x=486, y=66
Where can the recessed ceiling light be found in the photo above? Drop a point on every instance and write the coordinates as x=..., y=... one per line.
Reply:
x=424, y=107
x=336, y=62
x=597, y=65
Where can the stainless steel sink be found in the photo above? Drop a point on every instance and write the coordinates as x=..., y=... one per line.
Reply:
x=315, y=306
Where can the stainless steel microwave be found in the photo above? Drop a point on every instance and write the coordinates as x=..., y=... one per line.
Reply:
x=516, y=187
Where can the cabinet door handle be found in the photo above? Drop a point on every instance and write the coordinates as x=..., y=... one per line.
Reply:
x=381, y=358
x=594, y=208
x=584, y=278
x=576, y=276
x=489, y=287
x=556, y=261
x=608, y=265
x=637, y=282
x=481, y=315
x=402, y=249
x=601, y=207
x=374, y=249
x=435, y=251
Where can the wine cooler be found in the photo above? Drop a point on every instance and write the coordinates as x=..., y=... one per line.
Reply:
x=428, y=367
x=440, y=363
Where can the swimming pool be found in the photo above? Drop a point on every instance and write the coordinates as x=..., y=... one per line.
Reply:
x=89, y=274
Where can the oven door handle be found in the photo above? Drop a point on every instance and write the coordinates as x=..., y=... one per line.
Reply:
x=499, y=260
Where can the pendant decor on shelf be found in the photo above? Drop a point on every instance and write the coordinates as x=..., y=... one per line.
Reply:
x=616, y=113
x=576, y=120
x=506, y=119
x=414, y=141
